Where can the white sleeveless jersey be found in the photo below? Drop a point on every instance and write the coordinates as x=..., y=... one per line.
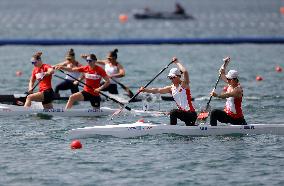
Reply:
x=182, y=97
x=111, y=70
x=233, y=106
x=73, y=74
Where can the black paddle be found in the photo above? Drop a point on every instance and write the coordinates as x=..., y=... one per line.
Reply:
x=133, y=97
x=20, y=100
x=37, y=83
x=129, y=92
x=203, y=115
x=65, y=79
x=114, y=100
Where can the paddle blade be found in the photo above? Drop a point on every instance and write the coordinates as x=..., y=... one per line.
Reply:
x=203, y=115
x=116, y=113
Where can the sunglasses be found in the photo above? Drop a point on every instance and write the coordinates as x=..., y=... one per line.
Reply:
x=34, y=62
x=172, y=77
x=89, y=60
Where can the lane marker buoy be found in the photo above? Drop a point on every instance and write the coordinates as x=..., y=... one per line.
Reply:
x=123, y=18
x=259, y=78
x=76, y=144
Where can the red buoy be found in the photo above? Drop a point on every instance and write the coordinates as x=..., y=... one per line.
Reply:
x=278, y=69
x=76, y=144
x=259, y=78
x=282, y=10
x=19, y=73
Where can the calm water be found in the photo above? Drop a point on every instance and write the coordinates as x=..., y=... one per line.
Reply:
x=36, y=151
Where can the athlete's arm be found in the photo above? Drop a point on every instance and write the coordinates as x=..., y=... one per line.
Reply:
x=237, y=92
x=163, y=90
x=121, y=71
x=31, y=84
x=183, y=70
x=105, y=85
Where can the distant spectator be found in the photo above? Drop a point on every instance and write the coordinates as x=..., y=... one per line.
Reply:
x=179, y=9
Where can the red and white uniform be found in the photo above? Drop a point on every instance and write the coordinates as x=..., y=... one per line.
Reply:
x=182, y=97
x=233, y=106
x=93, y=78
x=38, y=73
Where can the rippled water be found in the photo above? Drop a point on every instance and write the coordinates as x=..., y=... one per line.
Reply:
x=36, y=151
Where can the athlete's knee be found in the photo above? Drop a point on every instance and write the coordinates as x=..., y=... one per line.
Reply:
x=213, y=117
x=72, y=98
x=214, y=112
x=29, y=97
x=174, y=112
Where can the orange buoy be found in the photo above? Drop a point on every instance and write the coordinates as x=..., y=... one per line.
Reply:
x=76, y=144
x=259, y=78
x=278, y=69
x=282, y=10
x=123, y=18
x=19, y=73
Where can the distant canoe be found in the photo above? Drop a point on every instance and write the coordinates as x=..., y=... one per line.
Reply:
x=161, y=15
x=20, y=99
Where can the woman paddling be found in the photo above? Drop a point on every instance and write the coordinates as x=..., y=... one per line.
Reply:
x=69, y=83
x=180, y=91
x=232, y=112
x=42, y=73
x=93, y=76
x=113, y=69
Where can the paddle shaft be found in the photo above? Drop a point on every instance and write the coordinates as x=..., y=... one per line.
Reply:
x=207, y=106
x=133, y=97
x=37, y=83
x=223, y=66
x=130, y=93
x=65, y=79
x=114, y=100
x=151, y=81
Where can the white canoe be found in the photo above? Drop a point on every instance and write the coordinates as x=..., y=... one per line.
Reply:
x=12, y=110
x=141, y=129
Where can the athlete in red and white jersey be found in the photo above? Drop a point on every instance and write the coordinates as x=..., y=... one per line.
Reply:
x=232, y=112
x=42, y=73
x=93, y=76
x=180, y=91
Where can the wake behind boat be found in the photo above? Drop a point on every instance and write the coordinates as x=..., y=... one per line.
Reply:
x=141, y=129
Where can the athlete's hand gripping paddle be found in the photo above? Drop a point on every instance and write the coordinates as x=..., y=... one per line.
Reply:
x=133, y=97
x=203, y=115
x=114, y=100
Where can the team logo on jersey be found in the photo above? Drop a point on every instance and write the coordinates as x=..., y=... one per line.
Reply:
x=92, y=76
x=39, y=75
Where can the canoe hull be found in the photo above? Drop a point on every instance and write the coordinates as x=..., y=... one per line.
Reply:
x=142, y=129
x=12, y=110
x=21, y=111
